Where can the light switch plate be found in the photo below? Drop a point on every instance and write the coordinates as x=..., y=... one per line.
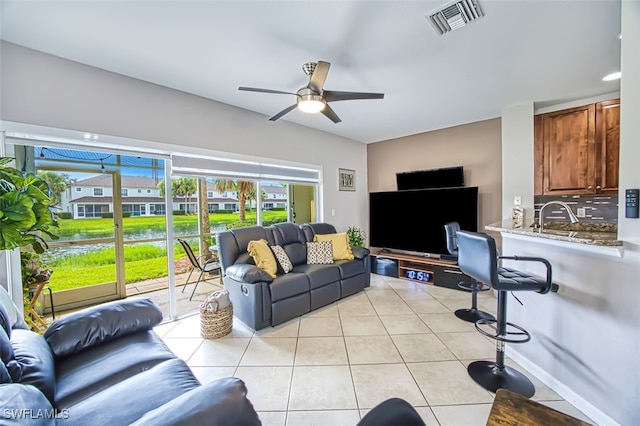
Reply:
x=517, y=200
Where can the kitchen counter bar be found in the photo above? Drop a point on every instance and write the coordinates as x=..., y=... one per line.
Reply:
x=587, y=237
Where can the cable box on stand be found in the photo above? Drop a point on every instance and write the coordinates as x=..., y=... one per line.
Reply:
x=426, y=270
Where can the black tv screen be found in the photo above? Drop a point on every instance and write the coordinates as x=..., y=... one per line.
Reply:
x=433, y=178
x=414, y=220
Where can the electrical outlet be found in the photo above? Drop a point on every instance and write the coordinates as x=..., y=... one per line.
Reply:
x=517, y=200
x=582, y=212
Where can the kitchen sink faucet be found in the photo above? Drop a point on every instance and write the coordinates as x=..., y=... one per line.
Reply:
x=572, y=217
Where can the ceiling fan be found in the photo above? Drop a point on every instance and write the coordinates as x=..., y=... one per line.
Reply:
x=313, y=98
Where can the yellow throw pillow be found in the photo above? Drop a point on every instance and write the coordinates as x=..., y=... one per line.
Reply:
x=263, y=256
x=340, y=243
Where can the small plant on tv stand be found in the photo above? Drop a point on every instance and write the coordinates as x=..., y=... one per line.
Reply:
x=356, y=236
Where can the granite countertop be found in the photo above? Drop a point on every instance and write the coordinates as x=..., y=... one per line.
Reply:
x=581, y=233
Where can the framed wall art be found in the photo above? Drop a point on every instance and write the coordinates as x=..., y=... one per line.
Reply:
x=346, y=180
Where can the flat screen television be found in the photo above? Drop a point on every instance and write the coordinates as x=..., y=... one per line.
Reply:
x=414, y=220
x=432, y=178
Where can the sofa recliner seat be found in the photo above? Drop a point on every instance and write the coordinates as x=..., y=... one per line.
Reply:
x=105, y=365
x=260, y=300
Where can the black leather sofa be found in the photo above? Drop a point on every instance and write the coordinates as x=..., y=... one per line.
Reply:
x=260, y=300
x=106, y=366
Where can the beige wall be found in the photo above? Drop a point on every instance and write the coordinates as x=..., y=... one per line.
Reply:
x=475, y=146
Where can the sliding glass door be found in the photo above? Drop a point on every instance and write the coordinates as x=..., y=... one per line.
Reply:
x=120, y=223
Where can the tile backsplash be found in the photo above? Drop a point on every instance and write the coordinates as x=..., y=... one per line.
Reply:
x=601, y=208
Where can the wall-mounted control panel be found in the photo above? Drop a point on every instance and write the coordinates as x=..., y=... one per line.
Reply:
x=631, y=203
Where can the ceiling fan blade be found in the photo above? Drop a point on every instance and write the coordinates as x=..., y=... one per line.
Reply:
x=256, y=89
x=333, y=96
x=283, y=112
x=316, y=82
x=331, y=114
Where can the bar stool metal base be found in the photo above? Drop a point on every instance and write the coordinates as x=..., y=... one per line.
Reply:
x=473, y=315
x=491, y=377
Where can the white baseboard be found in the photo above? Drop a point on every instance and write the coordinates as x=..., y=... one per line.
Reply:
x=563, y=390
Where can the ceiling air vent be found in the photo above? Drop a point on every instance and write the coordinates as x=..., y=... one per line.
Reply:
x=455, y=16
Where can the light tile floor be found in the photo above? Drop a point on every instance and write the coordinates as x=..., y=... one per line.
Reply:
x=329, y=367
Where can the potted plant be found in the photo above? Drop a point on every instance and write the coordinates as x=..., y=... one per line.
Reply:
x=356, y=236
x=26, y=211
x=34, y=273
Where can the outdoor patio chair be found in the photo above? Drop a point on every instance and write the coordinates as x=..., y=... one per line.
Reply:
x=209, y=266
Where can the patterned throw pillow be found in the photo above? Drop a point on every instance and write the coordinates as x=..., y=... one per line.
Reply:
x=319, y=252
x=282, y=259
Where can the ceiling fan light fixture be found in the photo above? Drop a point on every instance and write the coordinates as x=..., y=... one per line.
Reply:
x=311, y=104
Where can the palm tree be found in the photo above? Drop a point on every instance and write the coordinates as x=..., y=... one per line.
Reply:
x=205, y=225
x=58, y=183
x=252, y=196
x=182, y=187
x=187, y=187
x=242, y=187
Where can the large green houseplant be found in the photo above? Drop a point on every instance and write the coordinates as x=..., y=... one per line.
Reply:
x=26, y=212
x=25, y=209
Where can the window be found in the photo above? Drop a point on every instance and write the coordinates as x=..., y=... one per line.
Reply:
x=80, y=211
x=135, y=209
x=139, y=191
x=148, y=191
x=209, y=194
x=97, y=192
x=229, y=206
x=157, y=209
x=125, y=192
x=93, y=210
x=78, y=189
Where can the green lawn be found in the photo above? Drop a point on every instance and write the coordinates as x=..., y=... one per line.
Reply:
x=69, y=227
x=142, y=262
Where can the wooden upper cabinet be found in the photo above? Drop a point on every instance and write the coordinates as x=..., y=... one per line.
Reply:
x=576, y=150
x=607, y=145
x=569, y=163
x=538, y=155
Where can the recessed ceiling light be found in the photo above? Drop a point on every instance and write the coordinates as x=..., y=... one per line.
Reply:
x=612, y=76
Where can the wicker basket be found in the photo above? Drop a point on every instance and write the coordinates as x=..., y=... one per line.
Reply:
x=214, y=322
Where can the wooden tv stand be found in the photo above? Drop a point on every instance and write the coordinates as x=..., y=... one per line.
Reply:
x=426, y=270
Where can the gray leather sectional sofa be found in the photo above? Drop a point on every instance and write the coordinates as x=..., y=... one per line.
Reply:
x=260, y=300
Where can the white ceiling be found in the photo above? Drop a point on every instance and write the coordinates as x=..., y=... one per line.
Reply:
x=521, y=51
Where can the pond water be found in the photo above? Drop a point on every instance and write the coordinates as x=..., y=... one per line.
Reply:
x=130, y=235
